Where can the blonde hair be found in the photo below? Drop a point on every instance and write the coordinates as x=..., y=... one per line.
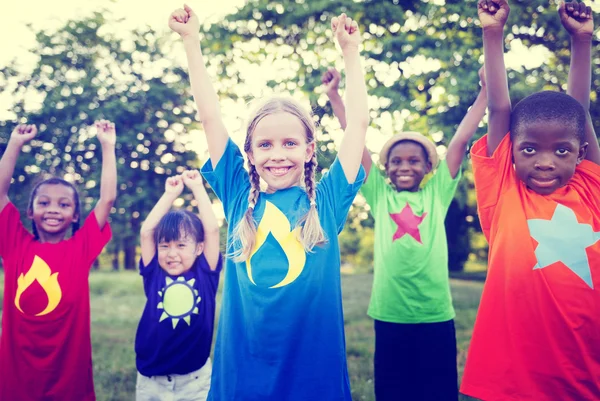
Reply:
x=311, y=233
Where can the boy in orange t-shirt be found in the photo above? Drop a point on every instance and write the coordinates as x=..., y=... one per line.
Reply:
x=537, y=177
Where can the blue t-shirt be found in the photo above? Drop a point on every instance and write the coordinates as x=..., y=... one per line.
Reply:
x=175, y=332
x=281, y=329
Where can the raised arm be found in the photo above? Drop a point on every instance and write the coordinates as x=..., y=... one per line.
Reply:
x=466, y=129
x=578, y=20
x=193, y=180
x=331, y=81
x=108, y=181
x=185, y=23
x=19, y=137
x=493, y=16
x=357, y=118
x=173, y=188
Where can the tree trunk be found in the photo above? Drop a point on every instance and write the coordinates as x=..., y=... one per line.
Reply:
x=129, y=251
x=115, y=256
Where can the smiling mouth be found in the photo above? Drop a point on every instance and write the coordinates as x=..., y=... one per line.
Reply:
x=404, y=178
x=52, y=222
x=279, y=171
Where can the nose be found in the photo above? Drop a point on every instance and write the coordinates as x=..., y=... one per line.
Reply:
x=277, y=154
x=404, y=166
x=544, y=162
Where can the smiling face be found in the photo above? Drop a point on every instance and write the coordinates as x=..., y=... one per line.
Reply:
x=53, y=210
x=178, y=256
x=279, y=150
x=407, y=165
x=546, y=154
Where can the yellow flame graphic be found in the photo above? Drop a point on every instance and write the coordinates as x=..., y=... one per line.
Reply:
x=275, y=222
x=49, y=282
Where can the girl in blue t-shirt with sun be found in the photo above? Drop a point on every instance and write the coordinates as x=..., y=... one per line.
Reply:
x=281, y=329
x=180, y=266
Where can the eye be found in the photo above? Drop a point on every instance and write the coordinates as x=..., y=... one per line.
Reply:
x=413, y=161
x=162, y=246
x=43, y=203
x=264, y=145
x=65, y=205
x=528, y=150
x=290, y=143
x=562, y=152
x=181, y=245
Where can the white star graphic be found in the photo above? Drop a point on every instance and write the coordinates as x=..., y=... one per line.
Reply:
x=564, y=239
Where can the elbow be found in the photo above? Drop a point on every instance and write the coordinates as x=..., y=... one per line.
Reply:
x=146, y=232
x=211, y=230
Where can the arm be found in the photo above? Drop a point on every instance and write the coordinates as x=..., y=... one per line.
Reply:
x=185, y=23
x=493, y=16
x=466, y=129
x=173, y=188
x=352, y=147
x=19, y=137
x=193, y=180
x=108, y=180
x=578, y=21
x=331, y=80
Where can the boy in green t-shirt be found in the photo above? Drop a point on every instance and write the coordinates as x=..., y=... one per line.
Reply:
x=415, y=340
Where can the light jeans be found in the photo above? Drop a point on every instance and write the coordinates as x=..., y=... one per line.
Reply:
x=192, y=386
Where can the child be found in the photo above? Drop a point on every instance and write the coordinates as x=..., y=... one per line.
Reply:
x=180, y=264
x=281, y=330
x=415, y=340
x=45, y=348
x=537, y=177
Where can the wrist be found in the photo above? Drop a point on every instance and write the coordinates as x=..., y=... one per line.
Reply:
x=350, y=50
x=581, y=38
x=333, y=93
x=493, y=30
x=192, y=37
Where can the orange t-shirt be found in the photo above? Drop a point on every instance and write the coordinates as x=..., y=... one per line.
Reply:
x=537, y=332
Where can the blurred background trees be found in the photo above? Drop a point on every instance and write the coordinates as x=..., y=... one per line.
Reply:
x=421, y=60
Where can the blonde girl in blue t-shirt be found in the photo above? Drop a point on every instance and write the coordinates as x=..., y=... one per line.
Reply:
x=281, y=333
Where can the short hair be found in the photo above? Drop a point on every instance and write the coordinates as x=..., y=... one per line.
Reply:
x=55, y=181
x=177, y=224
x=549, y=106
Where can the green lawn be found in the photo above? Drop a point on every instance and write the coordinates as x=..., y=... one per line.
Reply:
x=118, y=300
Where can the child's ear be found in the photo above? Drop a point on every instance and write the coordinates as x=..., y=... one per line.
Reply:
x=250, y=157
x=428, y=167
x=30, y=214
x=310, y=151
x=582, y=152
x=199, y=248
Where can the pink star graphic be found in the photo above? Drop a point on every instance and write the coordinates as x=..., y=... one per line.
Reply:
x=408, y=223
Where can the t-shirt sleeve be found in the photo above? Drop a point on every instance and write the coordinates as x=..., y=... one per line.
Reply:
x=337, y=192
x=374, y=187
x=443, y=185
x=587, y=178
x=212, y=275
x=229, y=179
x=148, y=271
x=493, y=176
x=91, y=239
x=12, y=231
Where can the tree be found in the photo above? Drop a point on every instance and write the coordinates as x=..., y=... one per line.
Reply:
x=83, y=75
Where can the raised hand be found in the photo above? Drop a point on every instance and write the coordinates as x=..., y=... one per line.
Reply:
x=192, y=179
x=184, y=21
x=493, y=13
x=346, y=32
x=106, y=133
x=23, y=133
x=174, y=185
x=331, y=80
x=576, y=18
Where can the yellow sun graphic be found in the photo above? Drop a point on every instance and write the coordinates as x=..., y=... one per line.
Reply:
x=179, y=300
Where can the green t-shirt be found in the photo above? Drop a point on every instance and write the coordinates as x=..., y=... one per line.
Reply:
x=410, y=283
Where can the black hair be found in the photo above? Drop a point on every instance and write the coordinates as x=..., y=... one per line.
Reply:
x=425, y=153
x=178, y=222
x=549, y=106
x=55, y=181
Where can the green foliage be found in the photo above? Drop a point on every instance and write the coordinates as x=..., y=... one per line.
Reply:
x=83, y=75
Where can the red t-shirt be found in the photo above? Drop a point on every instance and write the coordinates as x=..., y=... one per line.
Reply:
x=537, y=332
x=45, y=346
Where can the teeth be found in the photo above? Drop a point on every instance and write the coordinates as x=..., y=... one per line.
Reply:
x=279, y=170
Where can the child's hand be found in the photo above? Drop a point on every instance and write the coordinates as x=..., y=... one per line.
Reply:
x=331, y=80
x=184, y=21
x=482, y=77
x=493, y=13
x=192, y=179
x=576, y=18
x=346, y=32
x=106, y=132
x=174, y=185
x=23, y=133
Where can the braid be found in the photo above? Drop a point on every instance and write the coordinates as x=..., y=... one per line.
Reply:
x=36, y=235
x=312, y=233
x=74, y=227
x=245, y=232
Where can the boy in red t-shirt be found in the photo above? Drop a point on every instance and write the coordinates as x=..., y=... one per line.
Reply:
x=46, y=347
x=537, y=177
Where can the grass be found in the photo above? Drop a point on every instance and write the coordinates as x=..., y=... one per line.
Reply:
x=117, y=301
